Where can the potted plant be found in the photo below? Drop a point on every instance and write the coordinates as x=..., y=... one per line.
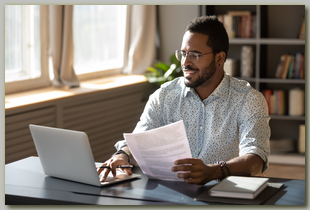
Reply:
x=161, y=72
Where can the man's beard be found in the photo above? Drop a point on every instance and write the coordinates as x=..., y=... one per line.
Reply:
x=207, y=73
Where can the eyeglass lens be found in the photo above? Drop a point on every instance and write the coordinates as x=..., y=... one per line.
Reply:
x=192, y=56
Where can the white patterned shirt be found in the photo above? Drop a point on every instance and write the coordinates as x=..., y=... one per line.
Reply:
x=231, y=122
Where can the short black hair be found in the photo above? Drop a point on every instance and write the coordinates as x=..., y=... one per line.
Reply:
x=214, y=29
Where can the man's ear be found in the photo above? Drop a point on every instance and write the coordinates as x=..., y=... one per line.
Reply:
x=220, y=58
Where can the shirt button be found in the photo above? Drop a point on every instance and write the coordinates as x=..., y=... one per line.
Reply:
x=200, y=127
x=202, y=105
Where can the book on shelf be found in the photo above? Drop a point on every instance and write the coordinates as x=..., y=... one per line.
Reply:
x=272, y=110
x=298, y=59
x=285, y=66
x=239, y=187
x=267, y=94
x=302, y=29
x=239, y=24
x=279, y=68
x=291, y=66
x=302, y=68
x=276, y=101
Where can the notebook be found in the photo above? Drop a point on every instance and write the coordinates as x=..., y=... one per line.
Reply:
x=67, y=154
x=239, y=187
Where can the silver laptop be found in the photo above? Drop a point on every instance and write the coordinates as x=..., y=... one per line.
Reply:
x=67, y=154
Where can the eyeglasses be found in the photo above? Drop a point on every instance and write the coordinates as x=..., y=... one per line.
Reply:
x=192, y=56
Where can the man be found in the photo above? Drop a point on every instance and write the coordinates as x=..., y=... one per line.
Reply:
x=226, y=120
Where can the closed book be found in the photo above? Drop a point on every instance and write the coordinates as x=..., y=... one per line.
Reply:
x=298, y=60
x=291, y=67
x=280, y=66
x=273, y=104
x=267, y=94
x=239, y=187
x=302, y=30
x=248, y=26
x=286, y=66
x=302, y=68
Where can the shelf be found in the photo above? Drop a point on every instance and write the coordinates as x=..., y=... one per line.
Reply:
x=273, y=41
x=287, y=159
x=243, y=41
x=272, y=80
x=287, y=117
x=276, y=35
x=249, y=79
x=281, y=81
x=267, y=41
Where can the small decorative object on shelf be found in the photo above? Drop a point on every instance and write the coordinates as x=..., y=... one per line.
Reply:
x=301, y=139
x=247, y=58
x=230, y=67
x=296, y=102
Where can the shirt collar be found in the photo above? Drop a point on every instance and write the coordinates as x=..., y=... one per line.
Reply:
x=222, y=90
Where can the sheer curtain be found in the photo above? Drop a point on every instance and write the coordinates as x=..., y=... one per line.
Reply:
x=61, y=45
x=141, y=49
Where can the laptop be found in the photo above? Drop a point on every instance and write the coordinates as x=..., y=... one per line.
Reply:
x=67, y=154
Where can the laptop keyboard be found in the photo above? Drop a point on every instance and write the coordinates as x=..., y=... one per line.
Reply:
x=110, y=177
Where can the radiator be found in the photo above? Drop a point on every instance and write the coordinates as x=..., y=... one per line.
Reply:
x=18, y=140
x=104, y=116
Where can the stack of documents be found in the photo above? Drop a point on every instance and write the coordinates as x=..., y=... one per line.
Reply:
x=156, y=150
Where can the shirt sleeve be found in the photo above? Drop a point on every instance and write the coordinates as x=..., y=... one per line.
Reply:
x=254, y=130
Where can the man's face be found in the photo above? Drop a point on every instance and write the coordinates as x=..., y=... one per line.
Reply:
x=198, y=73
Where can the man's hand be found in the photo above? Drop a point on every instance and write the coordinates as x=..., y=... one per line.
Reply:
x=194, y=171
x=114, y=161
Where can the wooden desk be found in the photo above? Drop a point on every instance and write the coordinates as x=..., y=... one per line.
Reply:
x=25, y=183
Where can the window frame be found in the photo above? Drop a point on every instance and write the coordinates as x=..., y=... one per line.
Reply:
x=44, y=79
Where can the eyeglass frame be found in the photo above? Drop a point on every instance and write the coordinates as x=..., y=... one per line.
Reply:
x=186, y=54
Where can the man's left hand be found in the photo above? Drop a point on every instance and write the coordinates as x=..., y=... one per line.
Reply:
x=194, y=171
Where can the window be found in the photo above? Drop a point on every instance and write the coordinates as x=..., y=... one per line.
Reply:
x=23, y=45
x=22, y=54
x=99, y=33
x=99, y=37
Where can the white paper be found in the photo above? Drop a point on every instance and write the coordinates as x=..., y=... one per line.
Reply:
x=156, y=150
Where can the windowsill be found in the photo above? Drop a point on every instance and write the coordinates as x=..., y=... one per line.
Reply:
x=37, y=96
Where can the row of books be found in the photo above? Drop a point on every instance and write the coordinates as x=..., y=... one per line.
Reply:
x=239, y=24
x=291, y=66
x=275, y=101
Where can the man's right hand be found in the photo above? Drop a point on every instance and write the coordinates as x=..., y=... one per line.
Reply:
x=113, y=162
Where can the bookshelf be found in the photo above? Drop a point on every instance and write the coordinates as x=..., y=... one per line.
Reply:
x=277, y=33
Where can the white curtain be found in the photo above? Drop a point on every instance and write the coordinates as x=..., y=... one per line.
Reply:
x=61, y=45
x=141, y=49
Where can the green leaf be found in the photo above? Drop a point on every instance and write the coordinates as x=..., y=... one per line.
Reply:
x=162, y=66
x=154, y=70
x=170, y=70
x=174, y=60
